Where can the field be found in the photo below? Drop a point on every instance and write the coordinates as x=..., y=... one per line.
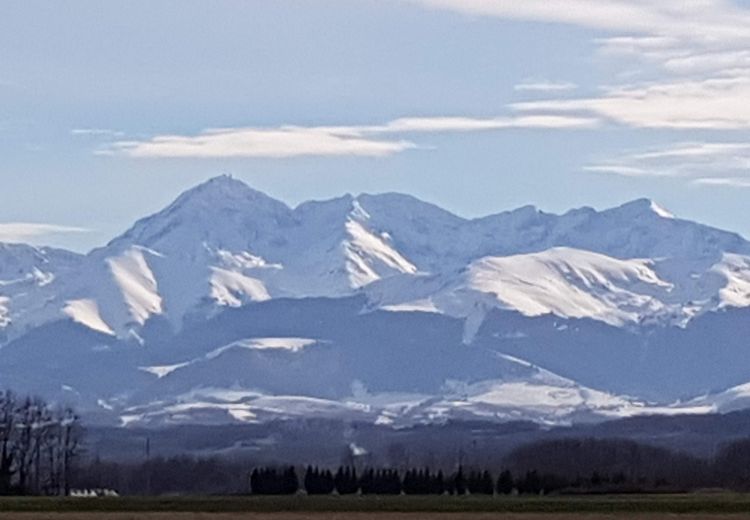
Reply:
x=366, y=516
x=689, y=507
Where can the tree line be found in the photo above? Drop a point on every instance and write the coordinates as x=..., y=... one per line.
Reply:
x=38, y=446
x=566, y=465
x=423, y=481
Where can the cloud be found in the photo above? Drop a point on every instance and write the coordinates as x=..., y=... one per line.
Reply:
x=687, y=64
x=701, y=163
x=730, y=182
x=468, y=124
x=545, y=86
x=622, y=170
x=96, y=132
x=709, y=20
x=298, y=141
x=261, y=142
x=715, y=103
x=27, y=231
x=598, y=14
x=692, y=58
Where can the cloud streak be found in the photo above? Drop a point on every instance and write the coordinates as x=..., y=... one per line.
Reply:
x=28, y=231
x=708, y=20
x=700, y=163
x=96, y=132
x=468, y=124
x=261, y=142
x=728, y=182
x=716, y=103
x=299, y=141
x=692, y=72
x=545, y=86
x=692, y=58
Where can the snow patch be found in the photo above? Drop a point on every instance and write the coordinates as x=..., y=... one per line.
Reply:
x=162, y=370
x=366, y=254
x=425, y=305
x=735, y=270
x=659, y=210
x=104, y=404
x=292, y=345
x=86, y=312
x=287, y=344
x=4, y=311
x=566, y=282
x=136, y=283
x=232, y=289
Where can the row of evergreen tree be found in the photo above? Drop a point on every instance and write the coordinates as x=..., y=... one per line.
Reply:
x=346, y=481
x=270, y=481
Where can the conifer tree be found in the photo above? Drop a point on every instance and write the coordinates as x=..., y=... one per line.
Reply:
x=505, y=483
x=530, y=484
x=486, y=484
x=367, y=482
x=311, y=480
x=459, y=482
x=327, y=483
x=290, y=483
x=254, y=481
x=345, y=481
x=437, y=486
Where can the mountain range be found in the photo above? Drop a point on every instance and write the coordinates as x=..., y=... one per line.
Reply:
x=230, y=306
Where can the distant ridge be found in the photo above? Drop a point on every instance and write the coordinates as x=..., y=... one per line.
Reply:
x=223, y=247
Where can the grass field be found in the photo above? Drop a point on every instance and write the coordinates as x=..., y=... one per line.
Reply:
x=690, y=506
x=366, y=516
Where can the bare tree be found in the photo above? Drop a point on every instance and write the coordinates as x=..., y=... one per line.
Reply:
x=37, y=446
x=7, y=429
x=69, y=440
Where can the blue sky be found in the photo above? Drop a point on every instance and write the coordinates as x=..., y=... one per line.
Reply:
x=109, y=109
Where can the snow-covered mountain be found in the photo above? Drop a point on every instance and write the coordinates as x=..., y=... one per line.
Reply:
x=220, y=246
x=224, y=244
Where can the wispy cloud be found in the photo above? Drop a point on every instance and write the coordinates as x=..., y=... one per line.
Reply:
x=545, y=86
x=297, y=141
x=280, y=142
x=623, y=170
x=692, y=58
x=28, y=231
x=716, y=103
x=710, y=20
x=730, y=182
x=96, y=132
x=468, y=124
x=701, y=163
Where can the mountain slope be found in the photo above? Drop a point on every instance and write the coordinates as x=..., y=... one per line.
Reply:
x=381, y=307
x=223, y=244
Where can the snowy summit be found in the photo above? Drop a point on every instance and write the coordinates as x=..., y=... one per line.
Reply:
x=223, y=246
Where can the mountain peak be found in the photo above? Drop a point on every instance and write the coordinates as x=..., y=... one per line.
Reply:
x=219, y=205
x=641, y=207
x=222, y=180
x=223, y=190
x=529, y=210
x=221, y=194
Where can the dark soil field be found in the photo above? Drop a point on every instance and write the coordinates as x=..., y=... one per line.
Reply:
x=365, y=516
x=646, y=507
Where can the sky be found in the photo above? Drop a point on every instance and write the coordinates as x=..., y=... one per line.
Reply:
x=108, y=110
